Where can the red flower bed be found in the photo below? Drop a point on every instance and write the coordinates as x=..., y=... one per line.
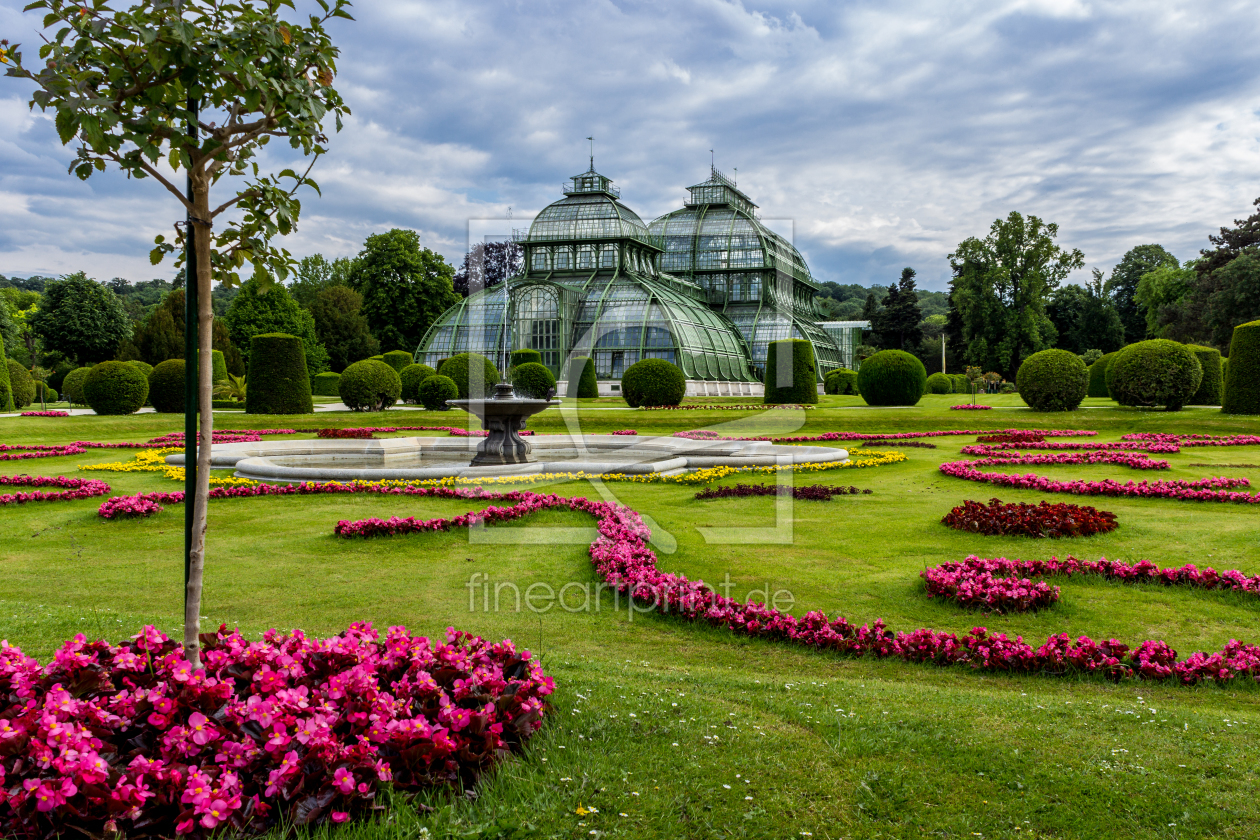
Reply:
x=812, y=492
x=1040, y=520
x=625, y=432
x=914, y=444
x=128, y=740
x=71, y=488
x=1012, y=437
x=344, y=433
x=45, y=414
x=1023, y=434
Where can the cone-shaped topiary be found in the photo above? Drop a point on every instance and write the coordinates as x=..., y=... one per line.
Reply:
x=524, y=356
x=72, y=385
x=166, y=387
x=1154, y=372
x=1212, y=383
x=841, y=381
x=532, y=381
x=939, y=383
x=369, y=385
x=397, y=359
x=22, y=384
x=115, y=388
x=1052, y=380
x=892, y=377
x=278, y=379
x=326, y=384
x=793, y=382
x=1098, y=377
x=436, y=390
x=582, y=383
x=6, y=387
x=412, y=376
x=1242, y=374
x=653, y=382
x=473, y=374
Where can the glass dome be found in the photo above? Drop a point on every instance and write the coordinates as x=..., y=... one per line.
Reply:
x=589, y=210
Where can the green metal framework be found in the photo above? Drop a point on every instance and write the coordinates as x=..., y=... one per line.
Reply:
x=847, y=335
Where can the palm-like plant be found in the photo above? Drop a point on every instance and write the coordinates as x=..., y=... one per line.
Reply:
x=233, y=389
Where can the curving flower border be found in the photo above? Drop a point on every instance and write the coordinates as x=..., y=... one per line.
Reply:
x=71, y=489
x=45, y=414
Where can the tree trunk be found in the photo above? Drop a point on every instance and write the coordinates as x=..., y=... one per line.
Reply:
x=205, y=373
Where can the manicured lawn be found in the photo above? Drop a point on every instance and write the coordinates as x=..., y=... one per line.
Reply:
x=665, y=729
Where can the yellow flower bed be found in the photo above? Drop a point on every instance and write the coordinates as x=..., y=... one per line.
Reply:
x=154, y=460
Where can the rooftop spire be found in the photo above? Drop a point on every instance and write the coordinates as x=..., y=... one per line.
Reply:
x=592, y=139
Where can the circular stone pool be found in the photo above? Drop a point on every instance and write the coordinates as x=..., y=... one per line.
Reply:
x=279, y=461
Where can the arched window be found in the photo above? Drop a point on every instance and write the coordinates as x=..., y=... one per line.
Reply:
x=538, y=323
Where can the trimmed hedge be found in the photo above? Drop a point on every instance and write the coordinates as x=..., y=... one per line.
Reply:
x=524, y=356
x=166, y=387
x=1098, y=376
x=583, y=385
x=278, y=380
x=841, y=381
x=412, y=376
x=1242, y=374
x=532, y=381
x=1052, y=380
x=325, y=384
x=892, y=377
x=962, y=385
x=143, y=367
x=436, y=390
x=939, y=383
x=218, y=367
x=72, y=385
x=803, y=386
x=227, y=404
x=21, y=383
x=653, y=382
x=369, y=385
x=1212, y=383
x=1154, y=372
x=115, y=388
x=6, y=386
x=473, y=374
x=397, y=359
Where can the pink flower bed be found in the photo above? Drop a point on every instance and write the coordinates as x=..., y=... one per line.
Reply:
x=705, y=434
x=368, y=431
x=626, y=432
x=45, y=414
x=624, y=560
x=714, y=407
x=116, y=740
x=976, y=407
x=1200, y=490
x=71, y=488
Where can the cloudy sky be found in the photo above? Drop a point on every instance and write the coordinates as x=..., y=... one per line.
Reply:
x=884, y=131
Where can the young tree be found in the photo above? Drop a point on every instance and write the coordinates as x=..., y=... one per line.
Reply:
x=1122, y=286
x=341, y=327
x=404, y=287
x=81, y=318
x=199, y=86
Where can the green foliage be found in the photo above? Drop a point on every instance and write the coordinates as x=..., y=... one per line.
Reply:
x=397, y=359
x=160, y=336
x=1085, y=317
x=44, y=392
x=166, y=387
x=218, y=367
x=1053, y=380
x=6, y=385
x=313, y=275
x=341, y=327
x=142, y=366
x=1154, y=372
x=1090, y=356
x=532, y=380
x=115, y=388
x=802, y=386
x=473, y=374
x=1242, y=374
x=405, y=287
x=841, y=381
x=72, y=385
x=262, y=307
x=896, y=324
x=22, y=385
x=1212, y=384
x=962, y=385
x=411, y=376
x=233, y=390
x=939, y=383
x=524, y=356
x=326, y=384
x=80, y=318
x=653, y=382
x=58, y=375
x=1122, y=287
x=892, y=377
x=436, y=390
x=1098, y=376
x=369, y=385
x=278, y=379
x=1159, y=294
x=582, y=382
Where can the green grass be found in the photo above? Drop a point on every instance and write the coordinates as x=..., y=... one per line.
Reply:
x=806, y=742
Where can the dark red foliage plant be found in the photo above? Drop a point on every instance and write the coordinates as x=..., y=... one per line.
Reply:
x=1020, y=519
x=812, y=492
x=1012, y=436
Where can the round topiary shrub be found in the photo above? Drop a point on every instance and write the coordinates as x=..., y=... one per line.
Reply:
x=326, y=384
x=1212, y=383
x=532, y=381
x=436, y=390
x=524, y=356
x=72, y=385
x=278, y=379
x=115, y=388
x=892, y=377
x=166, y=387
x=939, y=383
x=582, y=383
x=1052, y=380
x=412, y=376
x=369, y=385
x=841, y=381
x=6, y=387
x=473, y=374
x=22, y=384
x=796, y=384
x=1155, y=372
x=143, y=367
x=1098, y=377
x=653, y=382
x=1242, y=374
x=397, y=359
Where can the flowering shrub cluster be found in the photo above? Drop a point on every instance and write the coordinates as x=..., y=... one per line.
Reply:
x=624, y=560
x=973, y=584
x=71, y=488
x=1040, y=520
x=970, y=407
x=625, y=432
x=45, y=414
x=812, y=492
x=128, y=739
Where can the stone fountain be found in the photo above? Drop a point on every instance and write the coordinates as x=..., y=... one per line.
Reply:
x=503, y=416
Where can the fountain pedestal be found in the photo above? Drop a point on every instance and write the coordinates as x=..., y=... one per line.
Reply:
x=503, y=416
